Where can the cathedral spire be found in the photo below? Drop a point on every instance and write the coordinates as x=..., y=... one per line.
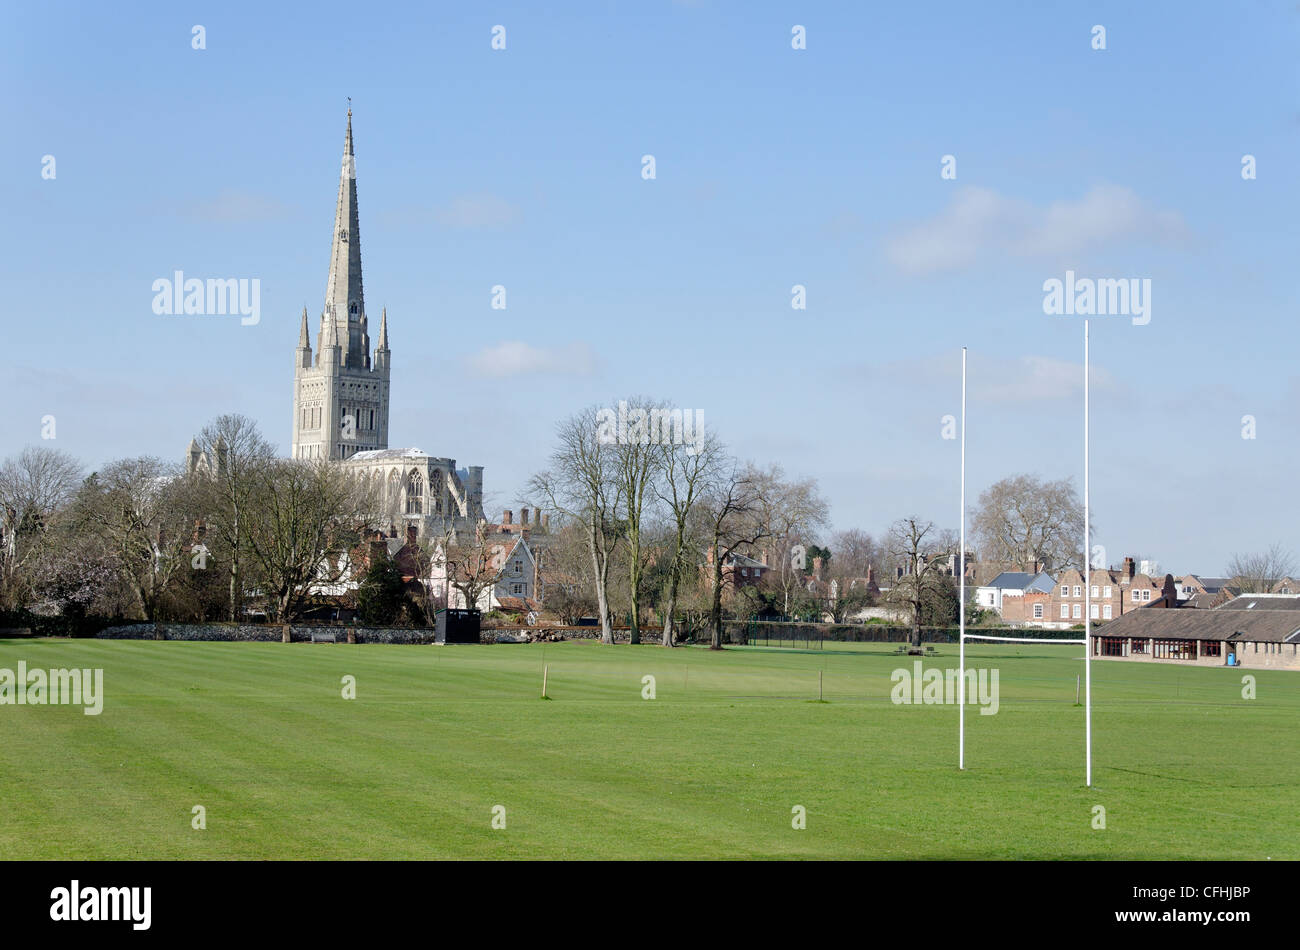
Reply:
x=383, y=329
x=344, y=298
x=303, y=342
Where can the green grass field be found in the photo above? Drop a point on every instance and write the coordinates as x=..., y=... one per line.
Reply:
x=260, y=735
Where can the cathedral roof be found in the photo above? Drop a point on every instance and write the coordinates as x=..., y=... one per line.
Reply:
x=381, y=455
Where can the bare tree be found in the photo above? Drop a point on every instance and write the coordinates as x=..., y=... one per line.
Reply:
x=688, y=471
x=1026, y=521
x=564, y=568
x=33, y=487
x=1257, y=572
x=793, y=513
x=467, y=563
x=731, y=513
x=300, y=511
x=237, y=453
x=144, y=511
x=913, y=544
x=582, y=484
x=856, y=551
x=637, y=465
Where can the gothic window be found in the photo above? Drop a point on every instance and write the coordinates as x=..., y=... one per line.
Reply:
x=394, y=489
x=352, y=307
x=435, y=491
x=414, y=494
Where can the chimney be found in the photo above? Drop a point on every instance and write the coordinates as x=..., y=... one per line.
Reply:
x=523, y=517
x=546, y=521
x=1128, y=569
x=817, y=568
x=410, y=534
x=871, y=575
x=508, y=517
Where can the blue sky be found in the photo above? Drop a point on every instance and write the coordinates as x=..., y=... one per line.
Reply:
x=775, y=167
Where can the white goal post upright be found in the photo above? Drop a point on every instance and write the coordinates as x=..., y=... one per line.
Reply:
x=1087, y=578
x=963, y=636
x=961, y=597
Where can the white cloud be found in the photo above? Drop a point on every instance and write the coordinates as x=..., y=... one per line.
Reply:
x=981, y=223
x=516, y=358
x=478, y=213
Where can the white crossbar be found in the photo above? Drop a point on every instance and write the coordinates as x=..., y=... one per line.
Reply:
x=974, y=636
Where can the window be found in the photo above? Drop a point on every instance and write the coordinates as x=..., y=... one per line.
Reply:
x=744, y=572
x=1106, y=612
x=1137, y=646
x=1211, y=648
x=1106, y=592
x=1111, y=646
x=1135, y=597
x=1065, y=590
x=1078, y=611
x=1095, y=593
x=1146, y=595
x=1173, y=649
x=414, y=494
x=435, y=489
x=519, y=566
x=1065, y=611
x=1038, y=611
x=1078, y=590
x=1096, y=611
x=517, y=588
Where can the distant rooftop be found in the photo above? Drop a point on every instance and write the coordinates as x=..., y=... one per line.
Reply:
x=1022, y=580
x=1263, y=602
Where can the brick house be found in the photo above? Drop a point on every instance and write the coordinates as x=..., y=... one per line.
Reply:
x=1007, y=595
x=1114, y=593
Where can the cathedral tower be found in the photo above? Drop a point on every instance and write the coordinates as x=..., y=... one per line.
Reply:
x=340, y=397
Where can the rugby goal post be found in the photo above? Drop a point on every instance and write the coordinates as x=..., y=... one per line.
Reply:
x=1086, y=642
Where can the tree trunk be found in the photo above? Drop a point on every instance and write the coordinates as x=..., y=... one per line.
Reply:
x=600, y=573
x=668, y=612
x=234, y=586
x=715, y=609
